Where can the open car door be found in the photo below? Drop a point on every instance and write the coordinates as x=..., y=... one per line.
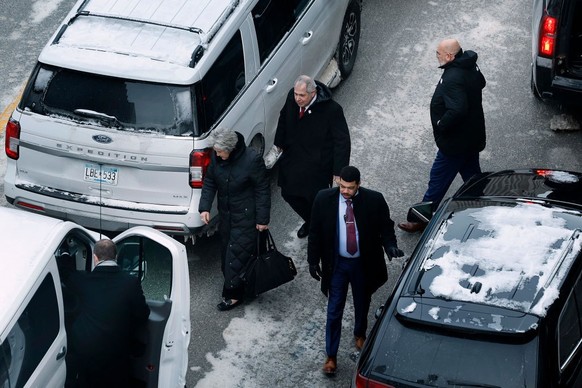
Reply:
x=162, y=265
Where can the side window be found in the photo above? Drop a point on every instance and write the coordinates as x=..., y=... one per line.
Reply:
x=569, y=333
x=272, y=20
x=151, y=262
x=31, y=336
x=221, y=84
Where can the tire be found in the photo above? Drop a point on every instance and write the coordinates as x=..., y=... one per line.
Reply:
x=349, y=40
x=258, y=144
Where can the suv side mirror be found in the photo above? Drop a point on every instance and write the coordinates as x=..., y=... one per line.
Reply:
x=420, y=212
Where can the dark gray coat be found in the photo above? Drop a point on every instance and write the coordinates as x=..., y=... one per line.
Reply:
x=315, y=147
x=244, y=200
x=375, y=230
x=456, y=109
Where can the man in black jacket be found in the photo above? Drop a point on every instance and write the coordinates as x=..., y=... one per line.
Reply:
x=458, y=122
x=112, y=307
x=313, y=136
x=349, y=232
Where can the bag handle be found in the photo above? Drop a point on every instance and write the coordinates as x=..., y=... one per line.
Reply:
x=270, y=242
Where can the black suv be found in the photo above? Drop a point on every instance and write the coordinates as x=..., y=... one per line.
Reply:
x=492, y=294
x=557, y=50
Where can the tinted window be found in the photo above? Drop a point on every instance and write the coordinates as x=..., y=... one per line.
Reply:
x=272, y=20
x=569, y=330
x=31, y=336
x=111, y=102
x=151, y=262
x=222, y=83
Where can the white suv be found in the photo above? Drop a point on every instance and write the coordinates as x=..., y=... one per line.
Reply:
x=112, y=129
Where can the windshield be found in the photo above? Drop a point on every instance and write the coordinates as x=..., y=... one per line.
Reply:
x=112, y=102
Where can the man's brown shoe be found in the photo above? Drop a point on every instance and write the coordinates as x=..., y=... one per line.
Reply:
x=359, y=342
x=330, y=366
x=412, y=227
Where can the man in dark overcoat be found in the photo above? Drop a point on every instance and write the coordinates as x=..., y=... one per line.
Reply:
x=458, y=122
x=313, y=136
x=112, y=308
x=335, y=211
x=237, y=176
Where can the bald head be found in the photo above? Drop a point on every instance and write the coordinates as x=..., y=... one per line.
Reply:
x=446, y=51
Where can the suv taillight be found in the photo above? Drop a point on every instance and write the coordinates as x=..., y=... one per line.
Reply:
x=199, y=161
x=363, y=382
x=12, y=139
x=548, y=36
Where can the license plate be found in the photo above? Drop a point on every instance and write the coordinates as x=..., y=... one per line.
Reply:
x=101, y=174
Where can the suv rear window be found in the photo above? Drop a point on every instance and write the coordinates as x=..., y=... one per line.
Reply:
x=111, y=102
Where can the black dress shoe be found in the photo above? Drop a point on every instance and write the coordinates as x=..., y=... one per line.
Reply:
x=303, y=231
x=228, y=304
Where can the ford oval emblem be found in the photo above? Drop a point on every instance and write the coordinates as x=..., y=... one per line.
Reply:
x=102, y=139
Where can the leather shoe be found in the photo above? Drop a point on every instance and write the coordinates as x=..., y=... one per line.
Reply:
x=228, y=304
x=412, y=227
x=359, y=342
x=330, y=366
x=303, y=231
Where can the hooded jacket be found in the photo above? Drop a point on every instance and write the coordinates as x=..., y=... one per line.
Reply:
x=456, y=109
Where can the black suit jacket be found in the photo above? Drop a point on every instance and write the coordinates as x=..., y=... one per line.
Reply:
x=375, y=229
x=111, y=308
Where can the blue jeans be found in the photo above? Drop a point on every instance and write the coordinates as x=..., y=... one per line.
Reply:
x=347, y=271
x=444, y=170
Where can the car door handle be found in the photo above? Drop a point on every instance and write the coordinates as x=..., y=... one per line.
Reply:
x=272, y=85
x=62, y=353
x=306, y=37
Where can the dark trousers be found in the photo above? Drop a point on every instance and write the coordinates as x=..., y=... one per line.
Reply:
x=445, y=169
x=347, y=271
x=300, y=205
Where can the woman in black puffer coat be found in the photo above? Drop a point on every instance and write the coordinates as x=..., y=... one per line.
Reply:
x=238, y=176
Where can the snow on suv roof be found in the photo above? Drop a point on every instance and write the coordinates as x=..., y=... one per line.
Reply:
x=147, y=37
x=510, y=254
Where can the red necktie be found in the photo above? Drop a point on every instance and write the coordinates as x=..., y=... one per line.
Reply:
x=352, y=244
x=301, y=112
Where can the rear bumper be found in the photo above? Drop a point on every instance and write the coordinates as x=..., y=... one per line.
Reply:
x=556, y=88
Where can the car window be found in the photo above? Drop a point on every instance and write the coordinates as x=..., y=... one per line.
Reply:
x=221, y=84
x=272, y=20
x=111, y=102
x=151, y=262
x=569, y=331
x=31, y=336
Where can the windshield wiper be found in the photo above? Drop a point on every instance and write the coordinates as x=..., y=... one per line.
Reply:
x=104, y=119
x=463, y=383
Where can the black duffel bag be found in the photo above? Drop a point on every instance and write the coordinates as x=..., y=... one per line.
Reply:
x=268, y=269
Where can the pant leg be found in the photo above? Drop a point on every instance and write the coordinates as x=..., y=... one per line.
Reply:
x=442, y=174
x=361, y=298
x=300, y=205
x=470, y=166
x=338, y=291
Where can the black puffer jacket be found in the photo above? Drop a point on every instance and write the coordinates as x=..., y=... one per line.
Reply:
x=244, y=200
x=456, y=109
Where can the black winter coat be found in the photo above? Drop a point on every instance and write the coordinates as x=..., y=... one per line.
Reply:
x=244, y=200
x=315, y=147
x=375, y=230
x=456, y=109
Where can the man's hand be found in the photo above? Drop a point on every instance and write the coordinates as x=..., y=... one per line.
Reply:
x=205, y=217
x=260, y=227
x=393, y=252
x=315, y=272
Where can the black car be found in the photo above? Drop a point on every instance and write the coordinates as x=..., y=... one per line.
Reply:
x=557, y=50
x=492, y=294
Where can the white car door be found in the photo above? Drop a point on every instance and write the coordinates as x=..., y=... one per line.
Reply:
x=162, y=265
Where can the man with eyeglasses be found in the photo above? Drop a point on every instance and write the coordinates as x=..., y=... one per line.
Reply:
x=458, y=122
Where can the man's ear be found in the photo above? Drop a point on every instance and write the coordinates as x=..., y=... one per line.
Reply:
x=95, y=260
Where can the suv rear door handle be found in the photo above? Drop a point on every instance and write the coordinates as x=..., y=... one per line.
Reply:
x=272, y=85
x=62, y=353
x=306, y=37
